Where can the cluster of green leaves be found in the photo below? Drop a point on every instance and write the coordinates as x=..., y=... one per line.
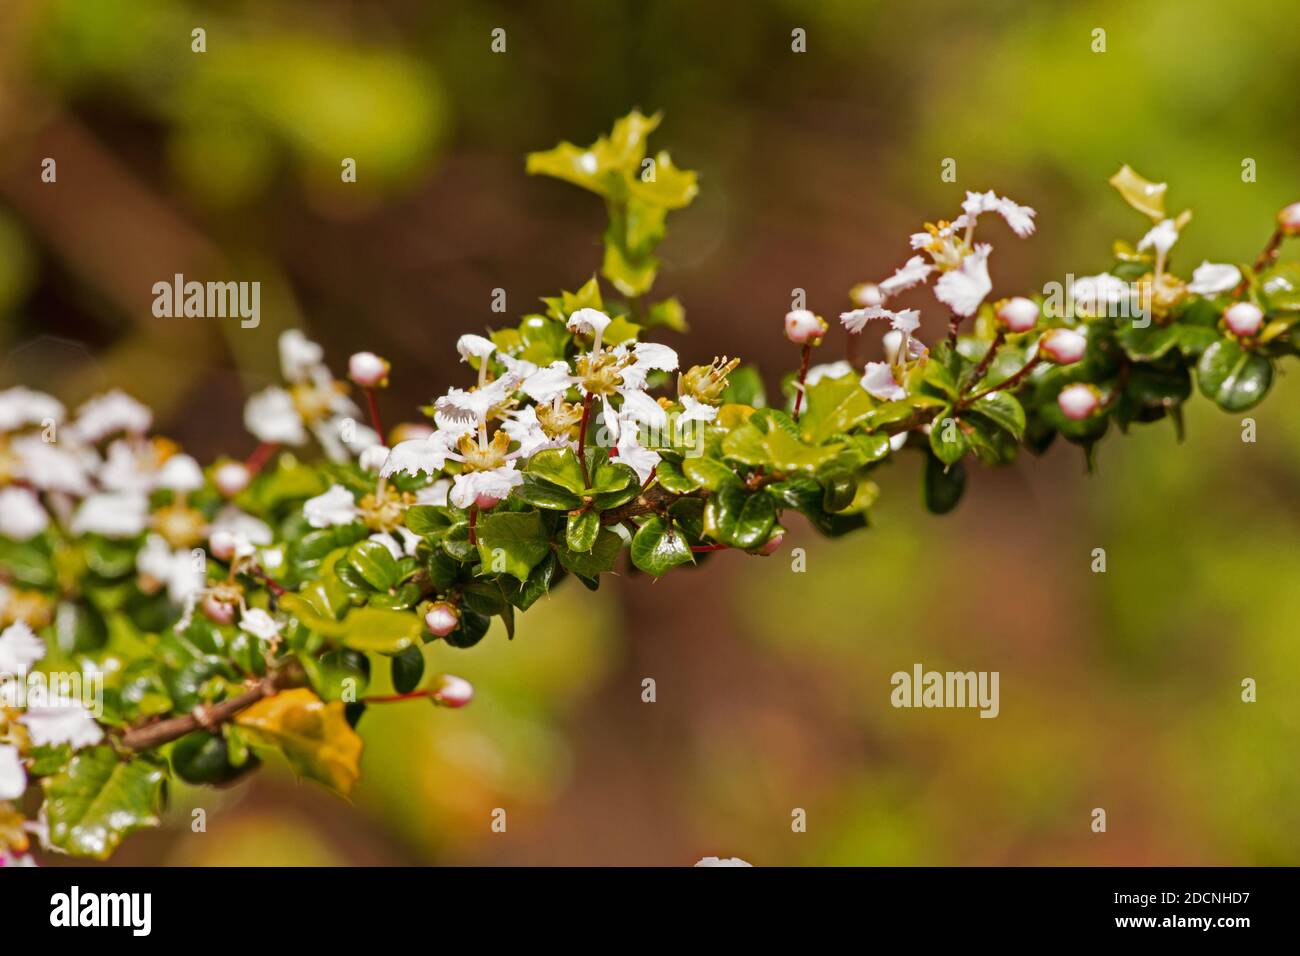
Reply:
x=639, y=191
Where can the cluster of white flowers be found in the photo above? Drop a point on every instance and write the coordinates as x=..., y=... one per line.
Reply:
x=946, y=250
x=529, y=407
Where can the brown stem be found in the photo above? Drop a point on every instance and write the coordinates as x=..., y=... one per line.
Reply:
x=986, y=361
x=803, y=374
x=1006, y=384
x=149, y=736
x=473, y=526
x=1270, y=250
x=954, y=320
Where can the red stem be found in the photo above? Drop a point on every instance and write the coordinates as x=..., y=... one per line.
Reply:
x=473, y=525
x=699, y=548
x=803, y=374
x=260, y=456
x=374, y=413
x=393, y=698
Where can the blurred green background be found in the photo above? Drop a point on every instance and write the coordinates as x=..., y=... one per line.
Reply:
x=1118, y=690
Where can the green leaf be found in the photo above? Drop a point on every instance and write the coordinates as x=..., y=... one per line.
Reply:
x=834, y=405
x=542, y=494
x=1235, y=378
x=610, y=476
x=314, y=736
x=1004, y=410
x=942, y=486
x=667, y=313
x=745, y=387
x=754, y=523
x=427, y=519
x=374, y=563
x=560, y=467
x=669, y=474
x=407, y=669
x=524, y=595
x=1280, y=287
x=947, y=440
x=708, y=473
x=375, y=629
x=656, y=547
x=746, y=444
x=512, y=542
x=581, y=529
x=99, y=799
x=598, y=560
x=671, y=187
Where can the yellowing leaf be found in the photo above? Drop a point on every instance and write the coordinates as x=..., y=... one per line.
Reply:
x=313, y=736
x=1139, y=192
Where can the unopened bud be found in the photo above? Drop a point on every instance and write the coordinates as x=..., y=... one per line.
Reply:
x=218, y=612
x=486, y=502
x=231, y=478
x=451, y=691
x=867, y=295
x=773, y=543
x=441, y=619
x=1243, y=318
x=1078, y=401
x=1288, y=220
x=1018, y=314
x=1063, y=346
x=223, y=545
x=804, y=328
x=368, y=370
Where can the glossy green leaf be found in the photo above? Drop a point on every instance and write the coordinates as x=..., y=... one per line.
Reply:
x=1235, y=378
x=99, y=799
x=560, y=467
x=581, y=529
x=656, y=547
x=374, y=563
x=512, y=542
x=1003, y=409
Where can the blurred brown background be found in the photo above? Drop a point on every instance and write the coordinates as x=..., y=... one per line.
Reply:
x=1119, y=691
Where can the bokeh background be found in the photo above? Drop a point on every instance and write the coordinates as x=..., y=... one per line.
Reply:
x=1118, y=690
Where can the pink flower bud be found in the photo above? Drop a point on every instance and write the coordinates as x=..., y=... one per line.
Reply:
x=368, y=370
x=486, y=502
x=1288, y=220
x=451, y=691
x=804, y=328
x=218, y=612
x=223, y=545
x=1243, y=318
x=773, y=543
x=441, y=619
x=1078, y=401
x=1018, y=314
x=373, y=458
x=231, y=478
x=1063, y=346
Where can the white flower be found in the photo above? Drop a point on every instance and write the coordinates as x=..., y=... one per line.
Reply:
x=693, y=410
x=1097, y=294
x=110, y=413
x=259, y=623
x=334, y=507
x=13, y=778
x=423, y=455
x=1243, y=318
x=20, y=648
x=271, y=416
x=21, y=515
x=591, y=322
x=640, y=407
x=548, y=383
x=828, y=370
x=373, y=458
x=21, y=406
x=180, y=473
x=892, y=342
x=128, y=467
x=231, y=478
x=913, y=272
x=300, y=358
x=1019, y=218
x=112, y=514
x=1161, y=238
x=469, y=487
x=254, y=530
x=524, y=428
x=472, y=407
x=405, y=548
x=58, y=719
x=631, y=453
x=964, y=288
x=434, y=494
x=52, y=467
x=474, y=346
x=1211, y=278
x=879, y=383
x=178, y=570
x=646, y=358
